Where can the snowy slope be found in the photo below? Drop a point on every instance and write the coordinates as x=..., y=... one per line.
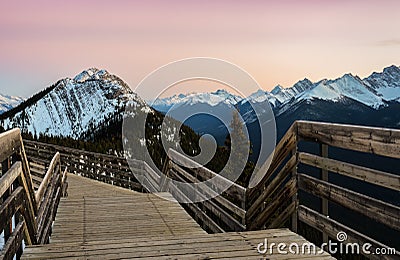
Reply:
x=347, y=86
x=76, y=105
x=386, y=84
x=8, y=102
x=220, y=96
x=376, y=91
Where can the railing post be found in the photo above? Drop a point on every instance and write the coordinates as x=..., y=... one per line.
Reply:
x=164, y=176
x=5, y=165
x=295, y=198
x=324, y=177
x=18, y=217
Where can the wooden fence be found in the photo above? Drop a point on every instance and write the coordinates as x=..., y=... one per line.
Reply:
x=274, y=202
x=25, y=214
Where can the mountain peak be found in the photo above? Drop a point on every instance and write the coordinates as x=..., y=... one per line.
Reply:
x=220, y=91
x=393, y=69
x=91, y=73
x=72, y=107
x=276, y=89
x=302, y=85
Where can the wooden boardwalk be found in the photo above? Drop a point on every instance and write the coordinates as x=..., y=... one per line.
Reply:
x=101, y=221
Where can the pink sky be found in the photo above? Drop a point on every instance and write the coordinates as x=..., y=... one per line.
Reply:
x=277, y=42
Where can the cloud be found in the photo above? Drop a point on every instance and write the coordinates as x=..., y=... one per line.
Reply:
x=389, y=42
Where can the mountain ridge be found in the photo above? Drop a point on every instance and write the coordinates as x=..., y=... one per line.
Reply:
x=374, y=91
x=9, y=102
x=73, y=106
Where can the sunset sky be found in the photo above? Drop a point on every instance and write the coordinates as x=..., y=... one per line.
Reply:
x=277, y=42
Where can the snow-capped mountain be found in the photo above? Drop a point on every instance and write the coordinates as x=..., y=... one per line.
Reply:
x=386, y=84
x=348, y=99
x=8, y=102
x=278, y=95
x=216, y=98
x=375, y=91
x=72, y=107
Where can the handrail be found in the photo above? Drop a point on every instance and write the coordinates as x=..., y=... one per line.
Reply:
x=222, y=212
x=43, y=186
x=110, y=169
x=261, y=212
x=20, y=203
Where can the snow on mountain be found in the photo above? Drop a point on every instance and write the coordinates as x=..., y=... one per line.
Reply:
x=386, y=84
x=75, y=106
x=8, y=102
x=209, y=98
x=284, y=94
x=278, y=95
x=347, y=86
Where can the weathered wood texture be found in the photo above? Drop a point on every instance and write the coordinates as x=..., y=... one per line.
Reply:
x=273, y=203
x=273, y=198
x=19, y=203
x=100, y=221
x=224, y=209
x=379, y=141
x=106, y=168
x=332, y=228
x=262, y=209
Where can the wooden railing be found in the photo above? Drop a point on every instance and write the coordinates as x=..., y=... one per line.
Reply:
x=377, y=141
x=26, y=215
x=274, y=202
x=275, y=199
x=222, y=212
x=102, y=167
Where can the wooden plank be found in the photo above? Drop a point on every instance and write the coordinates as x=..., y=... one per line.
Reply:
x=9, y=177
x=380, y=141
x=376, y=177
x=26, y=179
x=271, y=188
x=236, y=191
x=231, y=245
x=277, y=201
x=53, y=209
x=223, y=216
x=72, y=151
x=214, y=227
x=324, y=177
x=377, y=210
x=14, y=243
x=154, y=175
x=282, y=151
x=205, y=190
x=9, y=143
x=332, y=228
x=43, y=186
x=46, y=206
x=283, y=216
x=10, y=206
x=64, y=183
x=28, y=210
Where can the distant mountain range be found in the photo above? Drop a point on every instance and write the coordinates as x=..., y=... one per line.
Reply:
x=376, y=92
x=373, y=101
x=74, y=106
x=8, y=102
